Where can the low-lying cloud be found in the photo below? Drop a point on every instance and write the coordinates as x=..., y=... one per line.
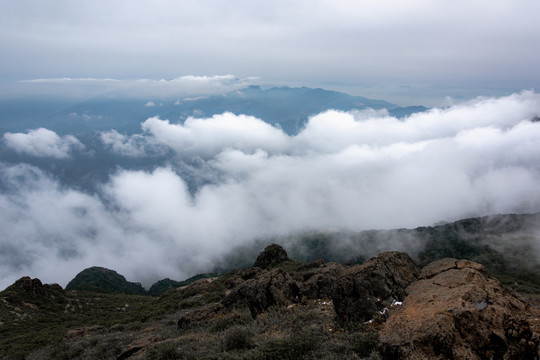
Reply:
x=42, y=143
x=347, y=171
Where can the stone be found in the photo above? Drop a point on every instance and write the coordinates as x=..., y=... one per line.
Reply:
x=363, y=290
x=458, y=311
x=319, y=281
x=269, y=288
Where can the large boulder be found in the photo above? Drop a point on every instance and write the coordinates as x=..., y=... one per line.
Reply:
x=319, y=280
x=363, y=290
x=456, y=310
x=268, y=288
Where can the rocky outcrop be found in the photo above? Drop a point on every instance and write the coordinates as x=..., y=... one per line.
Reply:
x=269, y=288
x=272, y=255
x=456, y=310
x=319, y=281
x=237, y=277
x=363, y=290
x=33, y=287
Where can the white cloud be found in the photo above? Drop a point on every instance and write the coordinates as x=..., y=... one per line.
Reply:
x=150, y=104
x=344, y=171
x=43, y=143
x=208, y=137
x=190, y=86
x=134, y=145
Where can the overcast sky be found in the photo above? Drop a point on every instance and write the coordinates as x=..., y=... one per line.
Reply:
x=399, y=50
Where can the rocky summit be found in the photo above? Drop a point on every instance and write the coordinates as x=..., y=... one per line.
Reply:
x=385, y=308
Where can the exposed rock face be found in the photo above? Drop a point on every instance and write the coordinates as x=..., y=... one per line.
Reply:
x=362, y=290
x=269, y=288
x=238, y=277
x=319, y=281
x=272, y=254
x=456, y=310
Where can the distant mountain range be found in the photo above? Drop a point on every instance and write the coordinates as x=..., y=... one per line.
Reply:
x=285, y=107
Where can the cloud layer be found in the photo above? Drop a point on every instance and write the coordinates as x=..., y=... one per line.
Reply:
x=42, y=143
x=345, y=171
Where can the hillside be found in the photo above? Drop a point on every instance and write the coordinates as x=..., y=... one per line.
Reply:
x=282, y=309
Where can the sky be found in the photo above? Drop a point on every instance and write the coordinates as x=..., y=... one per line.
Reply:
x=418, y=51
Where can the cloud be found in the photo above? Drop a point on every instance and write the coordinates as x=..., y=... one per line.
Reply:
x=347, y=171
x=123, y=144
x=190, y=86
x=209, y=137
x=43, y=143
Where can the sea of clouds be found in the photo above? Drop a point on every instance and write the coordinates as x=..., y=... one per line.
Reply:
x=348, y=171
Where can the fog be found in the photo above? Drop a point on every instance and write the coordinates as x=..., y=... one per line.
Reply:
x=347, y=171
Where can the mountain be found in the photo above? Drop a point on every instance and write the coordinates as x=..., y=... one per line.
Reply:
x=286, y=107
x=102, y=280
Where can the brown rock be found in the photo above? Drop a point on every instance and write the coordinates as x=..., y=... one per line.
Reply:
x=238, y=277
x=269, y=288
x=458, y=311
x=363, y=290
x=319, y=281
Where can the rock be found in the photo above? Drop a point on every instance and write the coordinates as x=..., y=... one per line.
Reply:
x=363, y=290
x=458, y=311
x=238, y=277
x=269, y=288
x=319, y=281
x=272, y=254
